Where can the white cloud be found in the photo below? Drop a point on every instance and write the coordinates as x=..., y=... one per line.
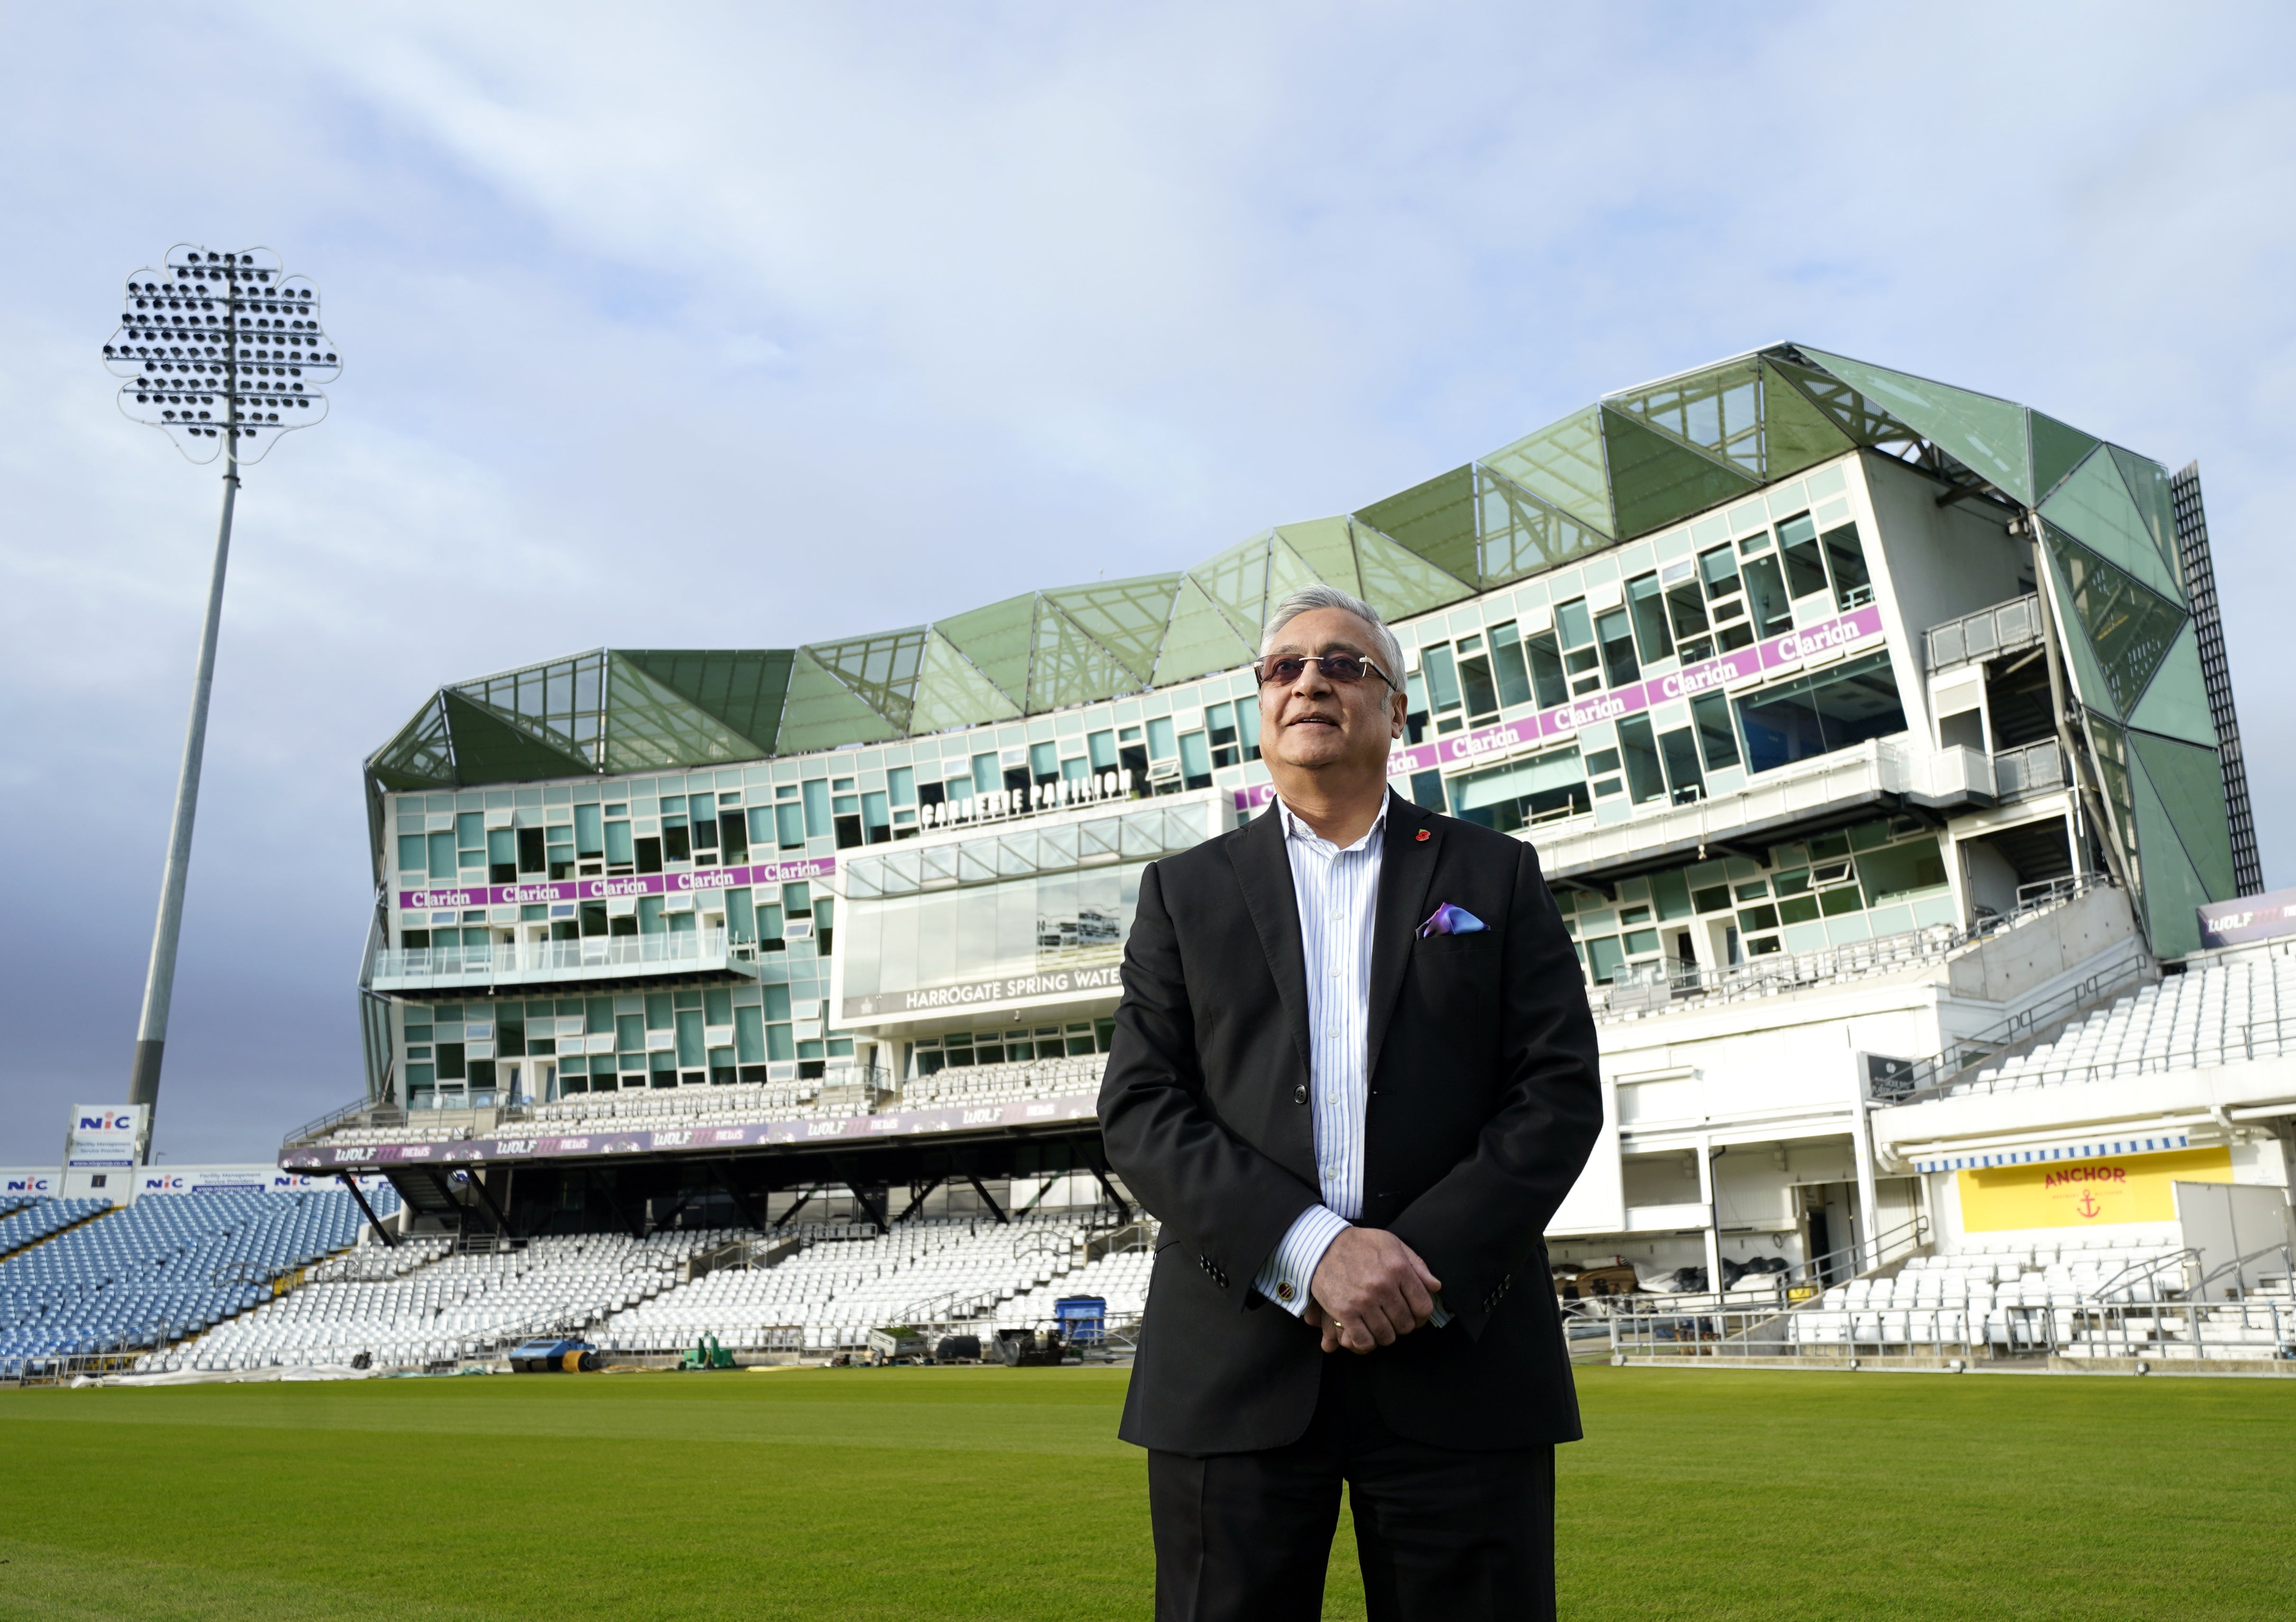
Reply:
x=743, y=326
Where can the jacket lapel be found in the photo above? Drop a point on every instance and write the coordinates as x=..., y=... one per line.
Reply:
x=1263, y=869
x=1406, y=869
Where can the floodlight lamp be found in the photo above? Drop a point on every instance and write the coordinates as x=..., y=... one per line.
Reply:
x=257, y=360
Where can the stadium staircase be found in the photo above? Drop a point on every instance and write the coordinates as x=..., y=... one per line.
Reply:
x=2229, y=1007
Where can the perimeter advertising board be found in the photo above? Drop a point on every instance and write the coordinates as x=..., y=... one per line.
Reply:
x=2085, y=1193
x=2229, y=924
x=105, y=1136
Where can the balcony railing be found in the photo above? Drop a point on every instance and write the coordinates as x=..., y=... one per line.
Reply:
x=540, y=961
x=1671, y=983
x=1804, y=794
x=2004, y=628
x=2033, y=769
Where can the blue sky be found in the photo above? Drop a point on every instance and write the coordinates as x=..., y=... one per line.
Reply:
x=744, y=326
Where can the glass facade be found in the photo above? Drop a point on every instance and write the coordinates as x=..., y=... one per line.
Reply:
x=1649, y=605
x=1873, y=879
x=1012, y=929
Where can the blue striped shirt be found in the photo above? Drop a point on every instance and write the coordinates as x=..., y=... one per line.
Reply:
x=1338, y=896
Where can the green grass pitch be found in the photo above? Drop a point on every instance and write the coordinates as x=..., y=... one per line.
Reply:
x=997, y=1493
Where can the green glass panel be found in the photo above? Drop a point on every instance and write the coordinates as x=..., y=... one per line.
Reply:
x=2148, y=488
x=881, y=669
x=1520, y=534
x=2172, y=889
x=1237, y=580
x=1864, y=421
x=649, y=725
x=1125, y=616
x=2189, y=781
x=1398, y=581
x=742, y=689
x=2108, y=747
x=1563, y=464
x=1436, y=520
x=997, y=639
x=1720, y=412
x=1287, y=573
x=2175, y=702
x=2082, y=669
x=1654, y=481
x=823, y=712
x=1987, y=434
x=560, y=702
x=1324, y=545
x=1071, y=667
x=951, y=691
x=421, y=757
x=2058, y=449
x=1199, y=640
x=490, y=749
x=2094, y=507
x=2130, y=627
x=1795, y=433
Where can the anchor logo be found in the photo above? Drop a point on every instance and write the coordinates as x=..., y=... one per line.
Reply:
x=2088, y=1206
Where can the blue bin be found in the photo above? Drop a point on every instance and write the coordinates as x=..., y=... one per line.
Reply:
x=1083, y=1319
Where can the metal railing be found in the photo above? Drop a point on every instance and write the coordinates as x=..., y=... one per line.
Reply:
x=501, y=959
x=358, y=1109
x=2003, y=629
x=1799, y=1282
x=2253, y=1329
x=1648, y=987
x=2032, y=769
x=2133, y=1314
x=663, y=1340
x=2260, y=1329
x=1900, y=1081
x=2272, y=1038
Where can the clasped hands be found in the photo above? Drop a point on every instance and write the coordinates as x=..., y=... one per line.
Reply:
x=1369, y=1288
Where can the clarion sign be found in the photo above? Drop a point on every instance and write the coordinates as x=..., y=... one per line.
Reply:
x=1743, y=665
x=701, y=879
x=972, y=994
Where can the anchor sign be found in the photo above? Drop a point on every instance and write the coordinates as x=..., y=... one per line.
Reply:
x=2088, y=1206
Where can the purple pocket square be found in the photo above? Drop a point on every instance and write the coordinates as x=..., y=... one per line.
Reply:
x=1448, y=919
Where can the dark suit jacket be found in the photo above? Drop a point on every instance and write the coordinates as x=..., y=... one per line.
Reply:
x=1483, y=1103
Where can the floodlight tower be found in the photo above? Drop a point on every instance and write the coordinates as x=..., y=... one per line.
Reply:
x=224, y=352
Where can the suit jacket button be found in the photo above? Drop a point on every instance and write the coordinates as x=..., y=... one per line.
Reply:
x=1299, y=1093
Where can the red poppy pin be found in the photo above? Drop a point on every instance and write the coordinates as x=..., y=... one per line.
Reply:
x=1423, y=836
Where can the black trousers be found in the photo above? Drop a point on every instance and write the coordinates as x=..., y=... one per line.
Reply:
x=1442, y=1534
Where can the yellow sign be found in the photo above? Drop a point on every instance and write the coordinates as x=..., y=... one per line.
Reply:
x=2086, y=1194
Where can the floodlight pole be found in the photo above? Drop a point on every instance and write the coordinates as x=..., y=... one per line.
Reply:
x=159, y=981
x=170, y=356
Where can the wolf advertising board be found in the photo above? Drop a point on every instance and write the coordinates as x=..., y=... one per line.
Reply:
x=2232, y=923
x=104, y=1135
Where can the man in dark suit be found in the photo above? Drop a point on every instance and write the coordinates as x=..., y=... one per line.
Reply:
x=1354, y=1075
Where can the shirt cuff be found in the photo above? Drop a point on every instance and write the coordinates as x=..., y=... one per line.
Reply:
x=1442, y=1316
x=1290, y=1267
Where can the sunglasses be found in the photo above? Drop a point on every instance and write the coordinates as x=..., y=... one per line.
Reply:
x=1344, y=669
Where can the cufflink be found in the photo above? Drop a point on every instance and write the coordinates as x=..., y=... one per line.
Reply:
x=1284, y=1291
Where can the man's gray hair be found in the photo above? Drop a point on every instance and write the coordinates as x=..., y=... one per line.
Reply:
x=1307, y=599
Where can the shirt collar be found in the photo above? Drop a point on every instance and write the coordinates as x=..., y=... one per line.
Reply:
x=1294, y=828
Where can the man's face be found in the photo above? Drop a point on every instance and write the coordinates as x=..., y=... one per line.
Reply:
x=1323, y=726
